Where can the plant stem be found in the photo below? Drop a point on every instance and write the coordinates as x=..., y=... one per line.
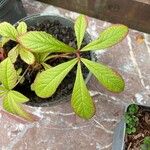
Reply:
x=78, y=55
x=57, y=56
x=22, y=76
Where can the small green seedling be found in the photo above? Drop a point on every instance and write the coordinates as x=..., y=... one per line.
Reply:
x=146, y=143
x=131, y=119
x=36, y=47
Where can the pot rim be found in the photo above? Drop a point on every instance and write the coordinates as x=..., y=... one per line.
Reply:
x=120, y=130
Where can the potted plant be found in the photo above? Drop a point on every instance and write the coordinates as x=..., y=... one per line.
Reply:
x=11, y=10
x=133, y=132
x=46, y=58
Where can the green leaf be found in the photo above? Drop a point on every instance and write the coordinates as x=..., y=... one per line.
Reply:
x=109, y=37
x=48, y=81
x=41, y=42
x=145, y=147
x=12, y=103
x=106, y=76
x=80, y=28
x=133, y=109
x=19, y=71
x=81, y=101
x=13, y=53
x=146, y=143
x=7, y=30
x=46, y=66
x=3, y=91
x=33, y=84
x=26, y=55
x=147, y=140
x=8, y=74
x=20, y=77
x=22, y=28
x=18, y=97
x=41, y=57
x=4, y=40
x=50, y=57
x=32, y=87
x=133, y=130
x=128, y=130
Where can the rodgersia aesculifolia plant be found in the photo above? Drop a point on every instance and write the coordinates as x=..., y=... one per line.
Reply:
x=36, y=47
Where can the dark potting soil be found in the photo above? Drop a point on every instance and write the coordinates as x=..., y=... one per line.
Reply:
x=64, y=34
x=134, y=141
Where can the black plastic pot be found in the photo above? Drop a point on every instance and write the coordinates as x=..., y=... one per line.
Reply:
x=37, y=19
x=11, y=10
x=120, y=133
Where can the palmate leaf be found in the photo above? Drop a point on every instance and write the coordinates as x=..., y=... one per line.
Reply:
x=12, y=100
x=13, y=53
x=22, y=28
x=81, y=101
x=80, y=28
x=106, y=76
x=26, y=55
x=37, y=41
x=7, y=30
x=12, y=103
x=8, y=74
x=48, y=81
x=109, y=37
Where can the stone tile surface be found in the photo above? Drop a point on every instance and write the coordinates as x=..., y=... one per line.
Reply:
x=57, y=127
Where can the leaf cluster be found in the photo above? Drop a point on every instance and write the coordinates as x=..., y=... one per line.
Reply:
x=131, y=119
x=146, y=143
x=12, y=99
x=36, y=47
